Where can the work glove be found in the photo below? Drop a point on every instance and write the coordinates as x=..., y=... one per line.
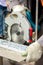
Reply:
x=34, y=51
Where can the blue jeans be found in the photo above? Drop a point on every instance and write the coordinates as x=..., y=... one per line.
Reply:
x=3, y=12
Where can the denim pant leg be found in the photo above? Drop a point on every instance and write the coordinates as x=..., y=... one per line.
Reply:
x=4, y=15
x=1, y=21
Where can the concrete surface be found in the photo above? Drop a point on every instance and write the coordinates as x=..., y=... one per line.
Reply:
x=6, y=62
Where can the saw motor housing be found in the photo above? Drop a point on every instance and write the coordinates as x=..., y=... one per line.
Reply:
x=17, y=27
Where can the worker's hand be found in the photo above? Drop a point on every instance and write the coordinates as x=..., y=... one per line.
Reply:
x=34, y=52
x=8, y=5
x=7, y=2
